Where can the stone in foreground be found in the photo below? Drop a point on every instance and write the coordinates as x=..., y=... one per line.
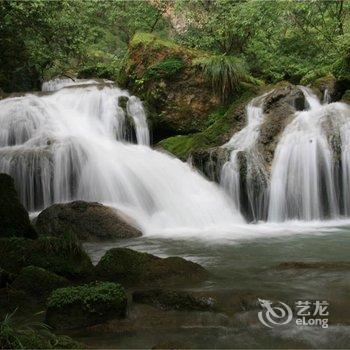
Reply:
x=129, y=266
x=85, y=305
x=88, y=221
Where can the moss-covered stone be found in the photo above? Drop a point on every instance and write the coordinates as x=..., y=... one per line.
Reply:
x=177, y=97
x=63, y=256
x=223, y=123
x=38, y=282
x=129, y=266
x=173, y=300
x=88, y=221
x=14, y=219
x=85, y=305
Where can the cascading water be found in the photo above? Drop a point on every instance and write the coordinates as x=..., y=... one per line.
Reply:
x=243, y=146
x=71, y=144
x=310, y=174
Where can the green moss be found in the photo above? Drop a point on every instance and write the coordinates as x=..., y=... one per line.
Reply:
x=81, y=306
x=166, y=68
x=62, y=255
x=38, y=282
x=88, y=294
x=147, y=38
x=182, y=145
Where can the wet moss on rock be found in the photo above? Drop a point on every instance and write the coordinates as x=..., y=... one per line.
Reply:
x=85, y=305
x=63, y=256
x=132, y=267
x=38, y=282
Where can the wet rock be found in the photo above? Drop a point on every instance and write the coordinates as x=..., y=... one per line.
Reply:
x=38, y=282
x=87, y=221
x=210, y=161
x=319, y=265
x=323, y=84
x=132, y=267
x=173, y=300
x=122, y=102
x=346, y=97
x=85, y=305
x=63, y=256
x=14, y=219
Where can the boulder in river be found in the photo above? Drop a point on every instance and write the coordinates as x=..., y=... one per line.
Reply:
x=88, y=221
x=173, y=300
x=14, y=219
x=85, y=305
x=129, y=266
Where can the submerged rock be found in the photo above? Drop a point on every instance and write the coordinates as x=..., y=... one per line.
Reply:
x=85, y=305
x=173, y=300
x=126, y=265
x=86, y=220
x=14, y=219
x=63, y=256
x=38, y=282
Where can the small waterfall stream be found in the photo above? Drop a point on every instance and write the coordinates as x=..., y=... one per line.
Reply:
x=71, y=143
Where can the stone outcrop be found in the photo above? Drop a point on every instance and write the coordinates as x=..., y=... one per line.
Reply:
x=14, y=219
x=87, y=221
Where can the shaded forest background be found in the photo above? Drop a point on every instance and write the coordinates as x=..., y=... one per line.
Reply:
x=297, y=41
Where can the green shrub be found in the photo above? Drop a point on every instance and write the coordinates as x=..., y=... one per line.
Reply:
x=223, y=72
x=166, y=68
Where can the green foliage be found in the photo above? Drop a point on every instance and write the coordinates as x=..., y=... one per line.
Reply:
x=223, y=72
x=31, y=336
x=166, y=68
x=88, y=295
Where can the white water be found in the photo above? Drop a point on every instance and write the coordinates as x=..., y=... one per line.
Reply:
x=245, y=141
x=71, y=144
x=306, y=181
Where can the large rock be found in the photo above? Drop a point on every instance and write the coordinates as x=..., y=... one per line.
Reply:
x=38, y=282
x=14, y=219
x=173, y=300
x=63, y=256
x=177, y=96
x=129, y=266
x=87, y=221
x=85, y=305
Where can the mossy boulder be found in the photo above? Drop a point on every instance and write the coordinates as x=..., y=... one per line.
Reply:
x=132, y=267
x=177, y=96
x=38, y=282
x=173, y=300
x=221, y=125
x=14, y=219
x=85, y=305
x=63, y=256
x=88, y=221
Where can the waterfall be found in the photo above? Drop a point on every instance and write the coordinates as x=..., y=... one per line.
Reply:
x=310, y=177
x=243, y=146
x=71, y=143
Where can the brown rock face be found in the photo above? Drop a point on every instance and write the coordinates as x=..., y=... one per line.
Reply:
x=177, y=97
x=88, y=221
